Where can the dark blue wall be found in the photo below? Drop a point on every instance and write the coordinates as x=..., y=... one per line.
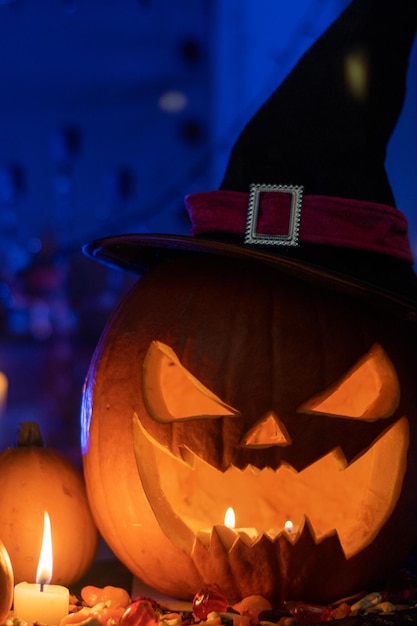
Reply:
x=111, y=111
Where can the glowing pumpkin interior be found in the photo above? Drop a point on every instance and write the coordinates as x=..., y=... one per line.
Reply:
x=189, y=496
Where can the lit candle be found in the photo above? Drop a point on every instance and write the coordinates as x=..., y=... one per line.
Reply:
x=225, y=531
x=228, y=532
x=289, y=526
x=230, y=522
x=42, y=602
x=290, y=531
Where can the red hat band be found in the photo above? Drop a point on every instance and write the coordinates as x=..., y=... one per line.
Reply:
x=279, y=215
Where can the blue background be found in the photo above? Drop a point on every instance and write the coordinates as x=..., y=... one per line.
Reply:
x=111, y=111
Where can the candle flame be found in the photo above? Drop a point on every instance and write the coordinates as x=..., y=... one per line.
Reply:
x=289, y=526
x=229, y=518
x=44, y=571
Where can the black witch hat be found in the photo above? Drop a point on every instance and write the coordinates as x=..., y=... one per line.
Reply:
x=305, y=189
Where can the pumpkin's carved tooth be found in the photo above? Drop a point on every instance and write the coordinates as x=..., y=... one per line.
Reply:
x=304, y=526
x=289, y=467
x=226, y=535
x=253, y=469
x=187, y=456
x=339, y=458
x=234, y=563
x=353, y=458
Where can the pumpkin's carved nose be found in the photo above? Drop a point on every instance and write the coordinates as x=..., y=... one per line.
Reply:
x=268, y=431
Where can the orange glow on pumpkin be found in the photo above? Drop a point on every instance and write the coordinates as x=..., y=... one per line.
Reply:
x=288, y=404
x=6, y=583
x=195, y=492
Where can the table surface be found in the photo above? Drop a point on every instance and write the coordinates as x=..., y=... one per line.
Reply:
x=110, y=571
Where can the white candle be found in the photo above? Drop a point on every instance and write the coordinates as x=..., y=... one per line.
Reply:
x=289, y=526
x=227, y=532
x=48, y=606
x=40, y=601
x=230, y=521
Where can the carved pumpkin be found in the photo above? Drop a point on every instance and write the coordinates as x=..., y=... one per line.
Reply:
x=6, y=583
x=35, y=479
x=220, y=384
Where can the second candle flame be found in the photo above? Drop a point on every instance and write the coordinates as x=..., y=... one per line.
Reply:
x=44, y=571
x=229, y=518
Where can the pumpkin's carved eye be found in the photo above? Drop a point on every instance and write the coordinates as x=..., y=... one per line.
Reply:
x=369, y=391
x=171, y=393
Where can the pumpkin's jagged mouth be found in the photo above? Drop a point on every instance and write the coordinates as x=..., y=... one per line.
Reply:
x=189, y=498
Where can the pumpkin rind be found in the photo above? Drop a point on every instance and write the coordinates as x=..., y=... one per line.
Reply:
x=6, y=583
x=260, y=343
x=35, y=480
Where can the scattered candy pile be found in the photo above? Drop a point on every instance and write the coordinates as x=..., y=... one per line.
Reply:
x=112, y=606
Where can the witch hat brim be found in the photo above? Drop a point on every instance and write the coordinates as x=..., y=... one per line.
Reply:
x=395, y=291
x=342, y=231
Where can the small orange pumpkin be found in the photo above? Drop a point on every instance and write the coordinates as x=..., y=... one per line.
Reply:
x=35, y=479
x=6, y=583
x=221, y=384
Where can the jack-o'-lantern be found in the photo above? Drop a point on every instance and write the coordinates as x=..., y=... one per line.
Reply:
x=285, y=404
x=276, y=380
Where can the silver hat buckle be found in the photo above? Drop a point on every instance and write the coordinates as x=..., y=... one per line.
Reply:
x=288, y=239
